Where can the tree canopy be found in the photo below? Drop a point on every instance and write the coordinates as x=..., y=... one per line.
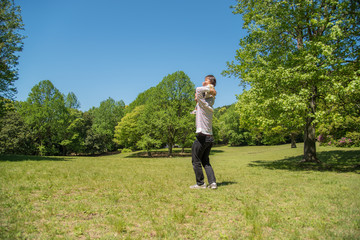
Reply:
x=11, y=42
x=302, y=53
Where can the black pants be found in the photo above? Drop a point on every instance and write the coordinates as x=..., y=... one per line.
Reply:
x=200, y=158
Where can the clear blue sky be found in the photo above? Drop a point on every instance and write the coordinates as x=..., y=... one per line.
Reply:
x=118, y=48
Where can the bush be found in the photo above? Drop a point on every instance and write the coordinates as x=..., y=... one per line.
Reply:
x=352, y=139
x=343, y=142
x=355, y=138
x=126, y=150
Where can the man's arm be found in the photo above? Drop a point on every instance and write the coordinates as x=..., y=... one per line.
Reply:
x=200, y=98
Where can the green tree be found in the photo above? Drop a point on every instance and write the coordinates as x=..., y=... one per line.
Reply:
x=71, y=101
x=274, y=118
x=127, y=132
x=147, y=143
x=160, y=115
x=301, y=52
x=47, y=116
x=171, y=107
x=11, y=42
x=15, y=135
x=228, y=128
x=105, y=118
x=142, y=99
x=75, y=133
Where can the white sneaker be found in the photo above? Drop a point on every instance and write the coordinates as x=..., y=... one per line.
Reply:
x=213, y=186
x=198, y=186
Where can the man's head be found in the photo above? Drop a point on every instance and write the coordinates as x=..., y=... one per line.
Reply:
x=209, y=79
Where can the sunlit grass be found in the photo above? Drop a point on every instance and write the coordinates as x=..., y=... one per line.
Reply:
x=264, y=193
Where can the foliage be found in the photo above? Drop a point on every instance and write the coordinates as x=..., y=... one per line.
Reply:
x=228, y=129
x=147, y=143
x=302, y=54
x=125, y=150
x=15, y=136
x=72, y=101
x=47, y=117
x=75, y=133
x=160, y=115
x=142, y=99
x=6, y=105
x=127, y=132
x=105, y=118
x=170, y=108
x=11, y=42
x=272, y=118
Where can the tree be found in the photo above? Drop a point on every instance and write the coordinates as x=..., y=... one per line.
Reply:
x=75, y=133
x=172, y=104
x=304, y=53
x=15, y=135
x=127, y=132
x=159, y=115
x=147, y=143
x=105, y=118
x=47, y=116
x=10, y=43
x=72, y=101
x=228, y=128
x=142, y=99
x=274, y=118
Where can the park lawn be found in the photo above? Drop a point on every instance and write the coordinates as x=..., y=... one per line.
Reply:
x=264, y=193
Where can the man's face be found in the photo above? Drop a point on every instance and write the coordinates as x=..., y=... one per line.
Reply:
x=206, y=82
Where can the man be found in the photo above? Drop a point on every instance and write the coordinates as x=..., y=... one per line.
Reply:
x=204, y=139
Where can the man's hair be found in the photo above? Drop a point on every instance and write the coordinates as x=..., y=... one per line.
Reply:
x=212, y=79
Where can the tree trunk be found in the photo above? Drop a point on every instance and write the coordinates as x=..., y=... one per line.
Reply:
x=293, y=141
x=149, y=153
x=309, y=133
x=170, y=149
x=310, y=142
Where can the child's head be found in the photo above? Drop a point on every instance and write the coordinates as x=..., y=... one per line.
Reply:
x=209, y=79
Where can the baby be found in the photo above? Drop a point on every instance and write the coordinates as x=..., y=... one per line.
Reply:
x=209, y=94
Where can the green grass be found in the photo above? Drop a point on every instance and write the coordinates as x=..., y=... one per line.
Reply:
x=264, y=193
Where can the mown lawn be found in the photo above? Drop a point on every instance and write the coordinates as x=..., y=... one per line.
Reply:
x=264, y=193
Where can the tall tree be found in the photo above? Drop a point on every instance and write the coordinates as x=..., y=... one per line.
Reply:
x=128, y=131
x=173, y=104
x=105, y=118
x=15, y=135
x=275, y=118
x=11, y=42
x=47, y=116
x=302, y=52
x=71, y=101
x=228, y=128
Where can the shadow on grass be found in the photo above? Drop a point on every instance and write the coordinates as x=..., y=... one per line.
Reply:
x=221, y=184
x=19, y=158
x=165, y=154
x=334, y=161
x=212, y=152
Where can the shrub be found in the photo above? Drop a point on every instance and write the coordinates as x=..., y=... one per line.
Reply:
x=126, y=150
x=351, y=139
x=355, y=138
x=343, y=142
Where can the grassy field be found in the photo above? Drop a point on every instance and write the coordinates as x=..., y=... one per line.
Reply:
x=264, y=193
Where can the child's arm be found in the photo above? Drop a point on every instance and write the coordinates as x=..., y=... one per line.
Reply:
x=212, y=91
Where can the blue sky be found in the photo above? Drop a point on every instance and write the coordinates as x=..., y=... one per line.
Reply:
x=118, y=48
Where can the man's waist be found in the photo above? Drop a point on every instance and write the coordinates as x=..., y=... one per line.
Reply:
x=203, y=134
